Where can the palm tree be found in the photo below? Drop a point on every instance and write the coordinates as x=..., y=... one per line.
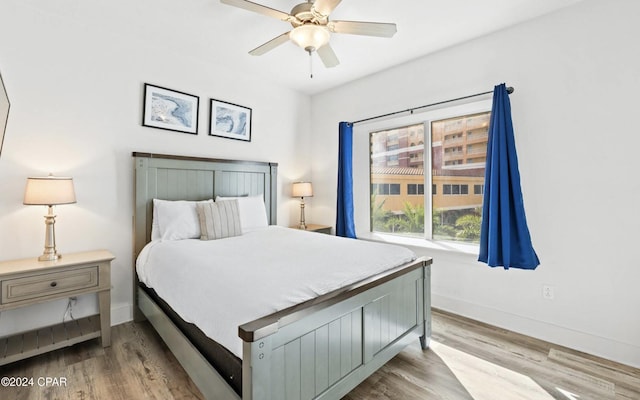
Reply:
x=395, y=224
x=413, y=220
x=379, y=215
x=469, y=227
x=441, y=231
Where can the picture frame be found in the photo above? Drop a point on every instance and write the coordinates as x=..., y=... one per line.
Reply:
x=228, y=120
x=170, y=109
x=5, y=105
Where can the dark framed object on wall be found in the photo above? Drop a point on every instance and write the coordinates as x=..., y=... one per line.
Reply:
x=229, y=120
x=170, y=109
x=4, y=111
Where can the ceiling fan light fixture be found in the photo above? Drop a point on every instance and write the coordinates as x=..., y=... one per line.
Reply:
x=309, y=36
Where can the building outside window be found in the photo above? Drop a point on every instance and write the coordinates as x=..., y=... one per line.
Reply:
x=449, y=153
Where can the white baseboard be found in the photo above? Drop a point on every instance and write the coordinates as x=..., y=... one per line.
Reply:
x=120, y=314
x=607, y=348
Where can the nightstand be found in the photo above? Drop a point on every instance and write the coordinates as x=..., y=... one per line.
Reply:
x=29, y=281
x=315, y=228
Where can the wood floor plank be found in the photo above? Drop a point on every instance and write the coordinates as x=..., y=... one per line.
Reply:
x=530, y=357
x=468, y=360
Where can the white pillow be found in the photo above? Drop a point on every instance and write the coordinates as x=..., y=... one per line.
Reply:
x=253, y=213
x=175, y=220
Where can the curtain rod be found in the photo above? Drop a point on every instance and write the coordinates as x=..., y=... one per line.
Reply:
x=510, y=90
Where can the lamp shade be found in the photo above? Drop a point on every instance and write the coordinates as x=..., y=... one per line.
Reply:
x=49, y=191
x=302, y=189
x=309, y=36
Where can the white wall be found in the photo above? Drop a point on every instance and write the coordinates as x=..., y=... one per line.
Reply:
x=74, y=73
x=576, y=78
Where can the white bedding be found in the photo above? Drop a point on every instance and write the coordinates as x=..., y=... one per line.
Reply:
x=221, y=284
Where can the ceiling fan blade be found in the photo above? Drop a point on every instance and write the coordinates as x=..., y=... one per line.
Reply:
x=270, y=45
x=327, y=55
x=258, y=8
x=324, y=7
x=381, y=29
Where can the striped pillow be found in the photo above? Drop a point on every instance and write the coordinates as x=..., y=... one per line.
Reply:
x=219, y=220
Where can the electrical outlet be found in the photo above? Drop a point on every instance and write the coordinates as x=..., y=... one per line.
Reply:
x=548, y=292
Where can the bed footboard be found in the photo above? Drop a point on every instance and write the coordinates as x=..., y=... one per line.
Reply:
x=326, y=353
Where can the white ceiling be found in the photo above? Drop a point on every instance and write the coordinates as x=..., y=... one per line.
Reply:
x=424, y=26
x=212, y=32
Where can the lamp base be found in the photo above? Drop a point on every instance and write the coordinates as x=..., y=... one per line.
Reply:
x=303, y=224
x=50, y=257
x=50, y=253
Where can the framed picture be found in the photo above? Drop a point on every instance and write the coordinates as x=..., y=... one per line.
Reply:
x=170, y=109
x=230, y=121
x=4, y=111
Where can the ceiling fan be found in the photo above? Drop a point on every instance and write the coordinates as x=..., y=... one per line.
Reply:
x=312, y=27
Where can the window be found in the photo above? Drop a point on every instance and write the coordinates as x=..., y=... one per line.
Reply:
x=415, y=189
x=396, y=162
x=449, y=189
x=454, y=153
x=385, y=188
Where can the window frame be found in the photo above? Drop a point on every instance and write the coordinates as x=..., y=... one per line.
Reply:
x=362, y=158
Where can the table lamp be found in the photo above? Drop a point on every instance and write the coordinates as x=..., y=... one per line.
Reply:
x=302, y=190
x=49, y=191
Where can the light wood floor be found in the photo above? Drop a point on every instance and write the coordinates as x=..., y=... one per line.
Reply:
x=467, y=360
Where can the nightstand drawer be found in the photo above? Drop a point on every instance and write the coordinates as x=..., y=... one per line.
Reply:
x=33, y=287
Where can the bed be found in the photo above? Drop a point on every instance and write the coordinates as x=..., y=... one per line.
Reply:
x=320, y=348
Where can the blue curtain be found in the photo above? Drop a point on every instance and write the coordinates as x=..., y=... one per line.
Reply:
x=345, y=225
x=504, y=237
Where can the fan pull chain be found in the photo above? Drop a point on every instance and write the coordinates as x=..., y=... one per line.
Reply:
x=310, y=65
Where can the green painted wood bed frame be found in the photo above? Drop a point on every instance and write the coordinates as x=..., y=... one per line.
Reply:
x=320, y=349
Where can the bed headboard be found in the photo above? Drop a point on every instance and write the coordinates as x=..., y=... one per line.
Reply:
x=169, y=177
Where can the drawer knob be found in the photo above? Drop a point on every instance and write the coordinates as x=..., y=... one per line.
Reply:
x=53, y=284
